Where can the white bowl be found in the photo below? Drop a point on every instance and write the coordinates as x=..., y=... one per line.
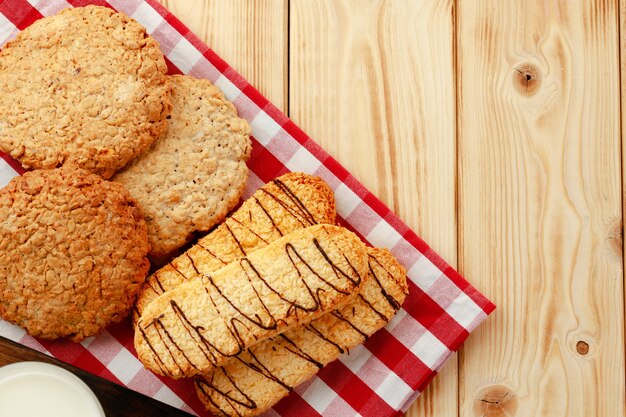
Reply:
x=35, y=389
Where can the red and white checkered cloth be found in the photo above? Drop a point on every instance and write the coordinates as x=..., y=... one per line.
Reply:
x=380, y=378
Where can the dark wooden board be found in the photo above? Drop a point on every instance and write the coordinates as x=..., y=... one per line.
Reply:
x=116, y=400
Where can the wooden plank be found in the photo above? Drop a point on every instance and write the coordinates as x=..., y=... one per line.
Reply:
x=540, y=206
x=250, y=35
x=622, y=45
x=373, y=83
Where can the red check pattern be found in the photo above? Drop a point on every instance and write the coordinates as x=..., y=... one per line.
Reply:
x=381, y=377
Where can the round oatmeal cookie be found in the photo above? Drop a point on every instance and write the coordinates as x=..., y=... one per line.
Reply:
x=192, y=177
x=87, y=85
x=72, y=252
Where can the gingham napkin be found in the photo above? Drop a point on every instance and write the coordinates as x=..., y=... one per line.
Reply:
x=380, y=378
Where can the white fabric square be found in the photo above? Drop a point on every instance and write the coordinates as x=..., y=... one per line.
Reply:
x=464, y=310
x=230, y=90
x=47, y=8
x=424, y=273
x=6, y=173
x=357, y=357
x=167, y=396
x=6, y=29
x=429, y=350
x=264, y=128
x=11, y=331
x=88, y=341
x=184, y=55
x=396, y=319
x=303, y=161
x=147, y=16
x=319, y=395
x=340, y=407
x=394, y=390
x=409, y=401
x=124, y=366
x=347, y=200
x=383, y=235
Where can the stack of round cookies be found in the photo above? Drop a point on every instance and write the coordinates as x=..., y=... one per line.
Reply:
x=127, y=163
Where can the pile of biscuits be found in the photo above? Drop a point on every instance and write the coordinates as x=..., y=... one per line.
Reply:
x=265, y=300
x=127, y=164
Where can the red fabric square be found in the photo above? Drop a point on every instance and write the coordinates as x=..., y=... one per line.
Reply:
x=20, y=13
x=353, y=390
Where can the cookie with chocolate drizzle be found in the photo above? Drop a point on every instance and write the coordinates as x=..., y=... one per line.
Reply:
x=202, y=323
x=290, y=202
x=256, y=379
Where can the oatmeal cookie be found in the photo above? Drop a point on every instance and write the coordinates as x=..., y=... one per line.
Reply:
x=72, y=252
x=87, y=86
x=192, y=177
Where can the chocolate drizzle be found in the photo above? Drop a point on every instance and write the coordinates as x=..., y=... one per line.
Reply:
x=294, y=198
x=207, y=387
x=298, y=351
x=339, y=316
x=210, y=390
x=193, y=264
x=256, y=364
x=395, y=304
x=208, y=349
x=286, y=198
x=294, y=207
x=292, y=253
x=157, y=358
x=160, y=329
x=160, y=290
x=250, y=230
x=263, y=319
x=210, y=252
x=378, y=313
x=297, y=209
x=321, y=335
x=336, y=270
x=243, y=251
x=269, y=216
x=256, y=320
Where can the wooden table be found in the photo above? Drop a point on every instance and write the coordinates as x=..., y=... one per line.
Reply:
x=493, y=129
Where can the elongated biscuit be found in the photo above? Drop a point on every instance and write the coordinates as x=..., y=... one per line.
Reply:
x=203, y=322
x=256, y=379
x=288, y=203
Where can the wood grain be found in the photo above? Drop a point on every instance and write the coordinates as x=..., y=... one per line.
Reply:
x=251, y=35
x=622, y=45
x=528, y=93
x=540, y=207
x=373, y=84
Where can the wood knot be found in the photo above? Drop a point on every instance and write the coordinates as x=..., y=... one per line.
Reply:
x=616, y=231
x=582, y=347
x=495, y=401
x=526, y=78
